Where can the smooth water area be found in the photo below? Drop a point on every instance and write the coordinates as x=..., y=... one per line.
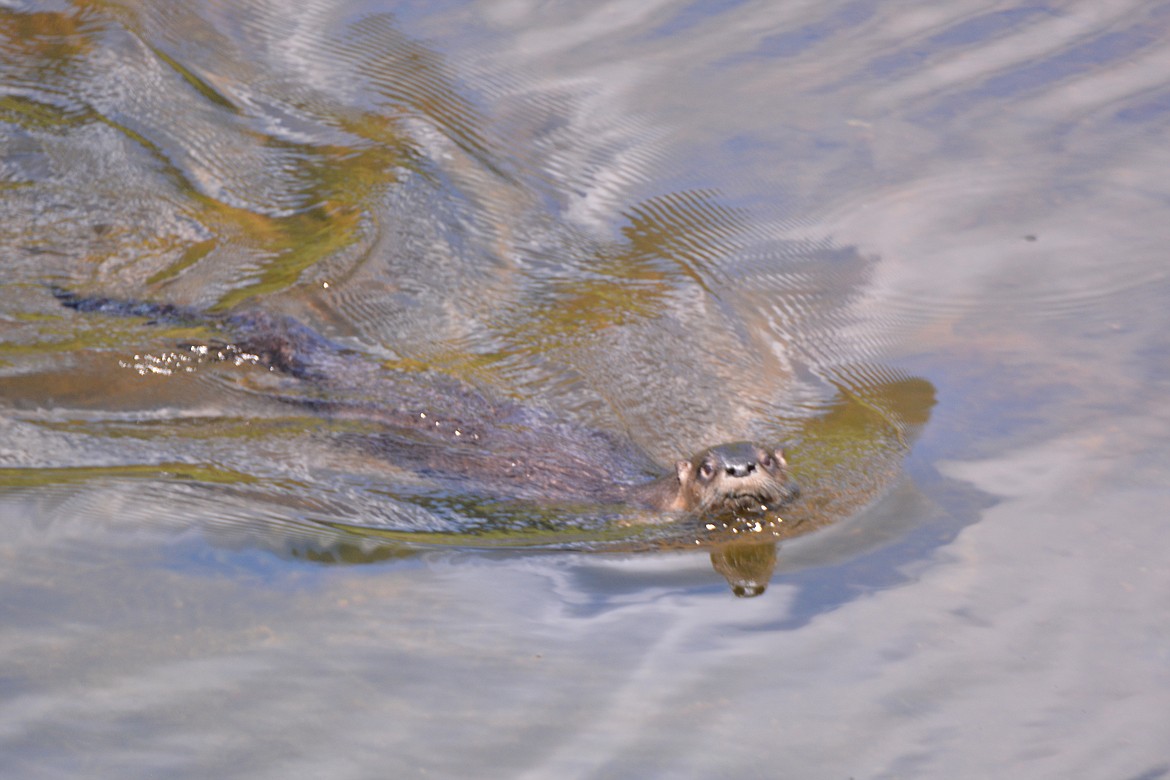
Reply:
x=921, y=244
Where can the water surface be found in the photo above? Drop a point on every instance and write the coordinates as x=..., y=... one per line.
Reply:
x=677, y=223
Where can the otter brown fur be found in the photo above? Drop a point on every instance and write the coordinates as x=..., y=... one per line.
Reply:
x=450, y=432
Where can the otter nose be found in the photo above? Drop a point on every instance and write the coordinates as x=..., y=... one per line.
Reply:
x=740, y=469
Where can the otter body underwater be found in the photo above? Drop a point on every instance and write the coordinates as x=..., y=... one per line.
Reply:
x=451, y=433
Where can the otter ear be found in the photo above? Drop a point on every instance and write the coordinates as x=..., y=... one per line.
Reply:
x=779, y=453
x=684, y=469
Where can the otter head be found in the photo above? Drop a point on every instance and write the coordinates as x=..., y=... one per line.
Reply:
x=734, y=479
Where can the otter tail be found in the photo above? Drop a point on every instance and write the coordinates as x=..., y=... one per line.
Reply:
x=279, y=342
x=155, y=312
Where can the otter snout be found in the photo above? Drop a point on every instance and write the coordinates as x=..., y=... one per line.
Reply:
x=738, y=460
x=740, y=469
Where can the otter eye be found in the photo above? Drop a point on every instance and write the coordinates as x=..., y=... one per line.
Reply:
x=768, y=462
x=706, y=470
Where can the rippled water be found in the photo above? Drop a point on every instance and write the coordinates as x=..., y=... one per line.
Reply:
x=921, y=244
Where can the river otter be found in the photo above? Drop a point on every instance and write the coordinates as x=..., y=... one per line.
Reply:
x=450, y=432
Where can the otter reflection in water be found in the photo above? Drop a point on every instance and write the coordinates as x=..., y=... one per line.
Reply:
x=458, y=438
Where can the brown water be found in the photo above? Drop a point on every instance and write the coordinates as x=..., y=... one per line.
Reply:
x=677, y=223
